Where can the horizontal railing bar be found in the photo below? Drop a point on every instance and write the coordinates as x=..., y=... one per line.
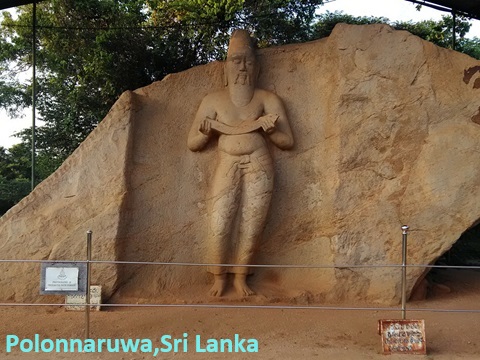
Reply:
x=288, y=266
x=272, y=307
x=300, y=266
x=471, y=267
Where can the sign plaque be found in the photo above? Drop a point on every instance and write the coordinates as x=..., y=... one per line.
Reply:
x=77, y=302
x=63, y=278
x=403, y=336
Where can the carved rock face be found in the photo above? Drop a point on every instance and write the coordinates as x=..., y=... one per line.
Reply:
x=385, y=134
x=240, y=69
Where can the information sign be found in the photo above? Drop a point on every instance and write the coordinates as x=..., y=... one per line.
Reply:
x=403, y=336
x=63, y=278
x=76, y=302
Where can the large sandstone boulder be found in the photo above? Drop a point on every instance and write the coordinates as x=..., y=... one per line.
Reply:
x=387, y=133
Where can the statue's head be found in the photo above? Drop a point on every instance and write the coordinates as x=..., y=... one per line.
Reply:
x=241, y=67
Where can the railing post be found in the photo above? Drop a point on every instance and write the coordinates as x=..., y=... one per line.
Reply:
x=34, y=90
x=87, y=295
x=404, y=271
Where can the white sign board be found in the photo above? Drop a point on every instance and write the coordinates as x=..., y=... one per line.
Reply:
x=61, y=279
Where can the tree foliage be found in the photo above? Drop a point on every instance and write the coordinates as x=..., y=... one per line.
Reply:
x=79, y=71
x=14, y=175
x=441, y=33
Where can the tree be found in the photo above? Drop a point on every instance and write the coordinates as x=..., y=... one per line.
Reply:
x=441, y=33
x=14, y=175
x=80, y=72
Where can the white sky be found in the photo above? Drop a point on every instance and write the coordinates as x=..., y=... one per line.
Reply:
x=392, y=9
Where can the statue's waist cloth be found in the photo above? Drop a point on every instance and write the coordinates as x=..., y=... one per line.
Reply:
x=241, y=193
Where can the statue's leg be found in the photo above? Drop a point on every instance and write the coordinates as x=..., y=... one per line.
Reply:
x=223, y=209
x=256, y=195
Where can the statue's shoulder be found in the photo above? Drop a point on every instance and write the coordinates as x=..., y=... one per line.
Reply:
x=216, y=94
x=214, y=97
x=266, y=95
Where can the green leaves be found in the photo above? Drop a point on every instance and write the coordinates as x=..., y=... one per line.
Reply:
x=205, y=10
x=439, y=32
x=12, y=191
x=14, y=175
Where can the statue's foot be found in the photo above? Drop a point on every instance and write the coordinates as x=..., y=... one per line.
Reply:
x=218, y=285
x=240, y=285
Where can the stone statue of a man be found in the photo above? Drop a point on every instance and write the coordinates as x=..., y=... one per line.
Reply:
x=244, y=118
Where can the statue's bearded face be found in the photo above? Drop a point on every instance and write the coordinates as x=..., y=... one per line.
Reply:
x=241, y=68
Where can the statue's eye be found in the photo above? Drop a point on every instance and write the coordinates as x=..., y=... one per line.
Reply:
x=237, y=61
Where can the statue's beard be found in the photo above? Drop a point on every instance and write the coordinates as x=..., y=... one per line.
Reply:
x=242, y=89
x=242, y=79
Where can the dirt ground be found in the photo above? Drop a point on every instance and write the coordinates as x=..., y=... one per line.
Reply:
x=281, y=333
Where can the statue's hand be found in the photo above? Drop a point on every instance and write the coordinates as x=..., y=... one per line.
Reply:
x=205, y=126
x=268, y=123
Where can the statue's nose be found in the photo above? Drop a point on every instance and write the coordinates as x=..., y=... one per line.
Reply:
x=243, y=65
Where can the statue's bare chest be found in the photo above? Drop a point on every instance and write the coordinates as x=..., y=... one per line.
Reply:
x=233, y=115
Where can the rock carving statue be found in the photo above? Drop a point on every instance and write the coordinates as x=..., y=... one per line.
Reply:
x=244, y=118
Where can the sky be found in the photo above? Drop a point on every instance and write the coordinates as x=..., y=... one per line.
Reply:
x=394, y=10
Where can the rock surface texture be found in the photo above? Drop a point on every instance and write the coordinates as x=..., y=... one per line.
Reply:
x=387, y=132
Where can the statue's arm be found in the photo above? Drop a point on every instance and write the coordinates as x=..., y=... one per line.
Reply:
x=279, y=132
x=201, y=130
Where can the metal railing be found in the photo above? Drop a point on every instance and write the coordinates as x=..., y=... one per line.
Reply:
x=402, y=308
